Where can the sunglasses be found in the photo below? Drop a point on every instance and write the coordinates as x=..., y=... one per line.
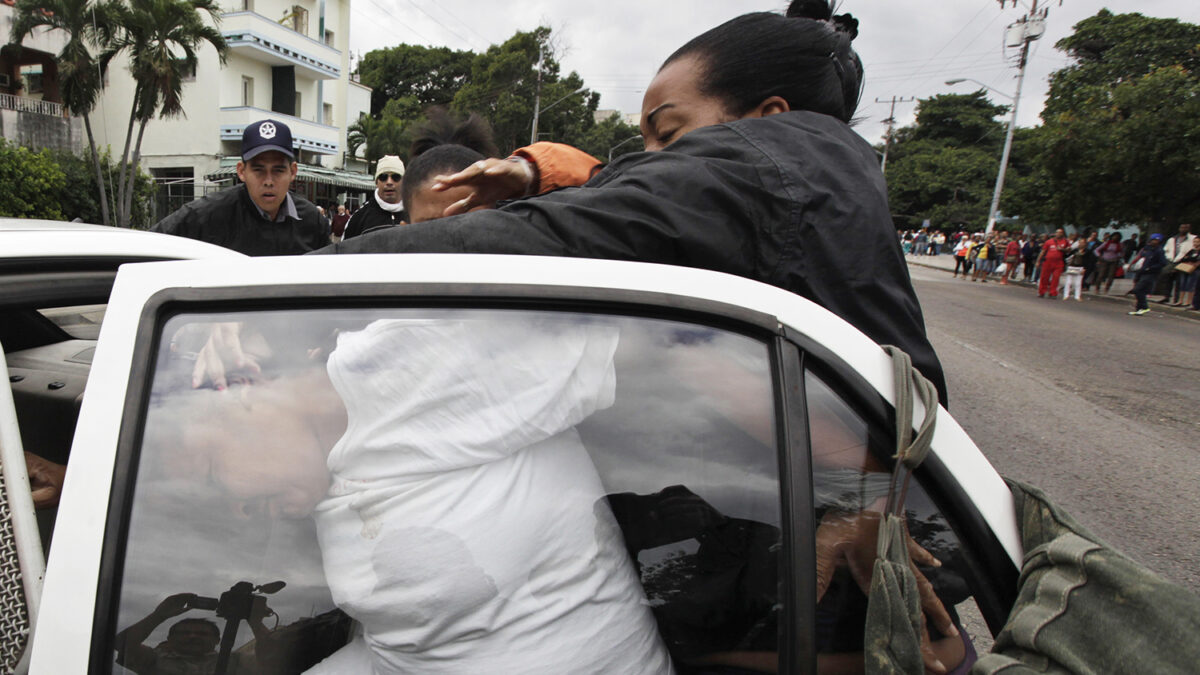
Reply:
x=389, y=176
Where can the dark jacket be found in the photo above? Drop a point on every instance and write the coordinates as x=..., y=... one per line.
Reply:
x=371, y=216
x=229, y=218
x=795, y=200
x=1154, y=260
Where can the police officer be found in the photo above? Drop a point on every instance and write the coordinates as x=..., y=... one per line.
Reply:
x=259, y=216
x=384, y=208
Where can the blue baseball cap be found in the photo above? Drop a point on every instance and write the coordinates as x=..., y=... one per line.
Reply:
x=266, y=136
x=1156, y=237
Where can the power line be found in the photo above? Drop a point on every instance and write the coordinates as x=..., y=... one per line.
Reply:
x=890, y=121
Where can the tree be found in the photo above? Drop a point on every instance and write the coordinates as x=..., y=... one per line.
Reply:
x=161, y=38
x=1121, y=122
x=611, y=135
x=87, y=25
x=422, y=76
x=943, y=168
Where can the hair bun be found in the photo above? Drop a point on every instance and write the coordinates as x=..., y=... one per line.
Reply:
x=810, y=9
x=845, y=23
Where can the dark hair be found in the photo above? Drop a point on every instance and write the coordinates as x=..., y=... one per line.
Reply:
x=434, y=161
x=442, y=128
x=803, y=56
x=203, y=622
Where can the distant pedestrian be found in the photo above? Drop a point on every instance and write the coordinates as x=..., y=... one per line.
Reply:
x=1089, y=259
x=1174, y=249
x=1189, y=267
x=337, y=226
x=1148, y=263
x=1012, y=258
x=1029, y=254
x=1131, y=247
x=939, y=242
x=1073, y=277
x=962, y=261
x=1052, y=260
x=1108, y=258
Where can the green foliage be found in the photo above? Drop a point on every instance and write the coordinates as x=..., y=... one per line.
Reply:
x=31, y=183
x=606, y=135
x=500, y=85
x=943, y=168
x=80, y=198
x=1122, y=123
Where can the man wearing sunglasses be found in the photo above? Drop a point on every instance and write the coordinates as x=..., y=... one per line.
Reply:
x=384, y=209
x=259, y=216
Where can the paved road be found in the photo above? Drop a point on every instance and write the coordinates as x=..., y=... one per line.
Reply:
x=1100, y=409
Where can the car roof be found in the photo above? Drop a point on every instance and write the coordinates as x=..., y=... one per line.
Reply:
x=33, y=239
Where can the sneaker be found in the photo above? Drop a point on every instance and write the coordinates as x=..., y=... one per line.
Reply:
x=1139, y=312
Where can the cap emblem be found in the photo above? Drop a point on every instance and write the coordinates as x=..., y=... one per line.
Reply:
x=266, y=130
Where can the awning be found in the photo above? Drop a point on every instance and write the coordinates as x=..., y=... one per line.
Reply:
x=313, y=174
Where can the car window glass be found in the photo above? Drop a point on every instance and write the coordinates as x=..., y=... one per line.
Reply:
x=504, y=490
x=851, y=477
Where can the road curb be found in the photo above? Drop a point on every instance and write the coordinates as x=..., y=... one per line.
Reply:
x=1121, y=299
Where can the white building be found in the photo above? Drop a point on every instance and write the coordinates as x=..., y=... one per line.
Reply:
x=288, y=60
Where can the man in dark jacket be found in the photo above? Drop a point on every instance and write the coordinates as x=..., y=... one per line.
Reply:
x=260, y=216
x=795, y=200
x=384, y=208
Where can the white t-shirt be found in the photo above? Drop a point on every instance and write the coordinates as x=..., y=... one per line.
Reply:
x=466, y=528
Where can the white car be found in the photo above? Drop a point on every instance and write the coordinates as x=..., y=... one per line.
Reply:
x=455, y=463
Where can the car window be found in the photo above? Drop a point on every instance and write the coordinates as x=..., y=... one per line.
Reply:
x=501, y=490
x=851, y=478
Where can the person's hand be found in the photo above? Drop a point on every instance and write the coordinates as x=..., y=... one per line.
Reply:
x=45, y=480
x=850, y=540
x=490, y=180
x=173, y=605
x=222, y=357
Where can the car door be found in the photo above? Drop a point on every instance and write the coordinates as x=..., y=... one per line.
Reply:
x=476, y=463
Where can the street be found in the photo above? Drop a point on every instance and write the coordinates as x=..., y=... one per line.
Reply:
x=1098, y=408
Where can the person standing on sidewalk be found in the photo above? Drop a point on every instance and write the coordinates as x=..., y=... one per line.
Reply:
x=1152, y=262
x=1189, y=266
x=1053, y=260
x=1012, y=258
x=1174, y=249
x=1029, y=254
x=1073, y=277
x=961, y=250
x=1108, y=257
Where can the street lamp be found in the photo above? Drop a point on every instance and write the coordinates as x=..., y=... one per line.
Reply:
x=538, y=111
x=610, y=150
x=1012, y=123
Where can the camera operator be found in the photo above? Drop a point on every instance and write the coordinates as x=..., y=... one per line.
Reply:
x=191, y=644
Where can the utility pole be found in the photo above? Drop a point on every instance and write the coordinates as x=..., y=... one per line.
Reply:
x=890, y=121
x=537, y=99
x=1020, y=34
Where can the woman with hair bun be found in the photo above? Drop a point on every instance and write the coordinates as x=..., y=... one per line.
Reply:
x=751, y=169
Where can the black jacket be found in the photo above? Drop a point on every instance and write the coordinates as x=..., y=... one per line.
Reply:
x=371, y=216
x=229, y=218
x=795, y=200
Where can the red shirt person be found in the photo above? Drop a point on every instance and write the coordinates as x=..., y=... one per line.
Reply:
x=1053, y=260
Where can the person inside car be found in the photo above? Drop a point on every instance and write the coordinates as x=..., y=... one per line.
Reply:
x=750, y=169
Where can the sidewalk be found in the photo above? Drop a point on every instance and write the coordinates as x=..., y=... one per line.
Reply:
x=1117, y=295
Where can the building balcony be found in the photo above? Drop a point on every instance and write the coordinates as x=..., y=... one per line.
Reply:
x=308, y=136
x=31, y=105
x=261, y=39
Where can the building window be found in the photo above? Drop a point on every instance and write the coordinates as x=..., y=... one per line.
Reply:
x=31, y=78
x=247, y=91
x=329, y=37
x=248, y=5
x=299, y=108
x=328, y=114
x=296, y=18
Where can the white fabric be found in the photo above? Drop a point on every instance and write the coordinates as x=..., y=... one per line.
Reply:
x=466, y=527
x=388, y=206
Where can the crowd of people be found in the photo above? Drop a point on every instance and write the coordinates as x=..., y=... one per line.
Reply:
x=1064, y=266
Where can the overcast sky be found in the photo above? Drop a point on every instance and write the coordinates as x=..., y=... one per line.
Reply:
x=909, y=47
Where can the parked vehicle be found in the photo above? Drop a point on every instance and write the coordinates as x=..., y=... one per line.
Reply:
x=485, y=461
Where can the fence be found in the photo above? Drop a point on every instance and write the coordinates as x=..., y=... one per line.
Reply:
x=31, y=105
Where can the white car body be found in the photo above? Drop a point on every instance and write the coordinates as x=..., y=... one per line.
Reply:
x=64, y=635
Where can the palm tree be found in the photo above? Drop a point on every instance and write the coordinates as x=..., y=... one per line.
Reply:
x=87, y=25
x=161, y=38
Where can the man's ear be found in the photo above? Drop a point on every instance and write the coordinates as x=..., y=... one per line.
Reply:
x=295, y=168
x=770, y=106
x=241, y=171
